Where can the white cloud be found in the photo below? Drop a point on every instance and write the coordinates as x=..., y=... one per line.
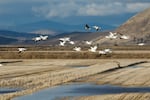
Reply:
x=66, y=8
x=59, y=9
x=136, y=7
x=100, y=9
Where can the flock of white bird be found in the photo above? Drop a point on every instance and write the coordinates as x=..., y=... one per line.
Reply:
x=64, y=40
x=67, y=40
x=36, y=39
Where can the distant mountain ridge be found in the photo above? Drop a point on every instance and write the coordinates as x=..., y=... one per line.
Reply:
x=19, y=38
x=6, y=41
x=16, y=35
x=56, y=27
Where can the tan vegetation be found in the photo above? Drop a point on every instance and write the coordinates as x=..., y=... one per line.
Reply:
x=68, y=53
x=34, y=75
x=138, y=25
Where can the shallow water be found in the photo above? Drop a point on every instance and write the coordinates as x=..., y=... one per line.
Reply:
x=9, y=90
x=136, y=67
x=78, y=66
x=81, y=90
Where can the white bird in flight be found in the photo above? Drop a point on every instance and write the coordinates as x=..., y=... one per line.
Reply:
x=77, y=48
x=65, y=39
x=88, y=42
x=111, y=35
x=21, y=49
x=141, y=44
x=72, y=42
x=102, y=52
x=105, y=51
x=44, y=37
x=37, y=39
x=124, y=37
x=62, y=43
x=108, y=50
x=93, y=49
x=97, y=28
x=87, y=27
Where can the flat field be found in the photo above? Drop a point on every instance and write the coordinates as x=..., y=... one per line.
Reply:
x=34, y=70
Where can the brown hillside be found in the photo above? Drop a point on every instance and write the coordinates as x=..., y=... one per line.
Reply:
x=138, y=26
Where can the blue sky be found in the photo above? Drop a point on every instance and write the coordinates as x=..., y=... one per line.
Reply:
x=13, y=12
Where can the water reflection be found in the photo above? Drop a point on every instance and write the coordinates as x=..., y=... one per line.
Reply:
x=81, y=90
x=8, y=90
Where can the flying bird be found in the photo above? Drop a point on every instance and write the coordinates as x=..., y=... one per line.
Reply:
x=93, y=49
x=37, y=39
x=72, y=42
x=105, y=51
x=65, y=39
x=108, y=50
x=44, y=37
x=87, y=27
x=141, y=44
x=77, y=48
x=21, y=50
x=124, y=37
x=62, y=43
x=88, y=42
x=97, y=28
x=102, y=52
x=111, y=35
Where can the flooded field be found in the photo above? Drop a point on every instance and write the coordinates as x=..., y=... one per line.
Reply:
x=9, y=90
x=81, y=89
x=48, y=76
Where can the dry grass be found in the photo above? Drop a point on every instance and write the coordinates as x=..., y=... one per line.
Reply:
x=48, y=52
x=72, y=55
x=56, y=52
x=34, y=82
